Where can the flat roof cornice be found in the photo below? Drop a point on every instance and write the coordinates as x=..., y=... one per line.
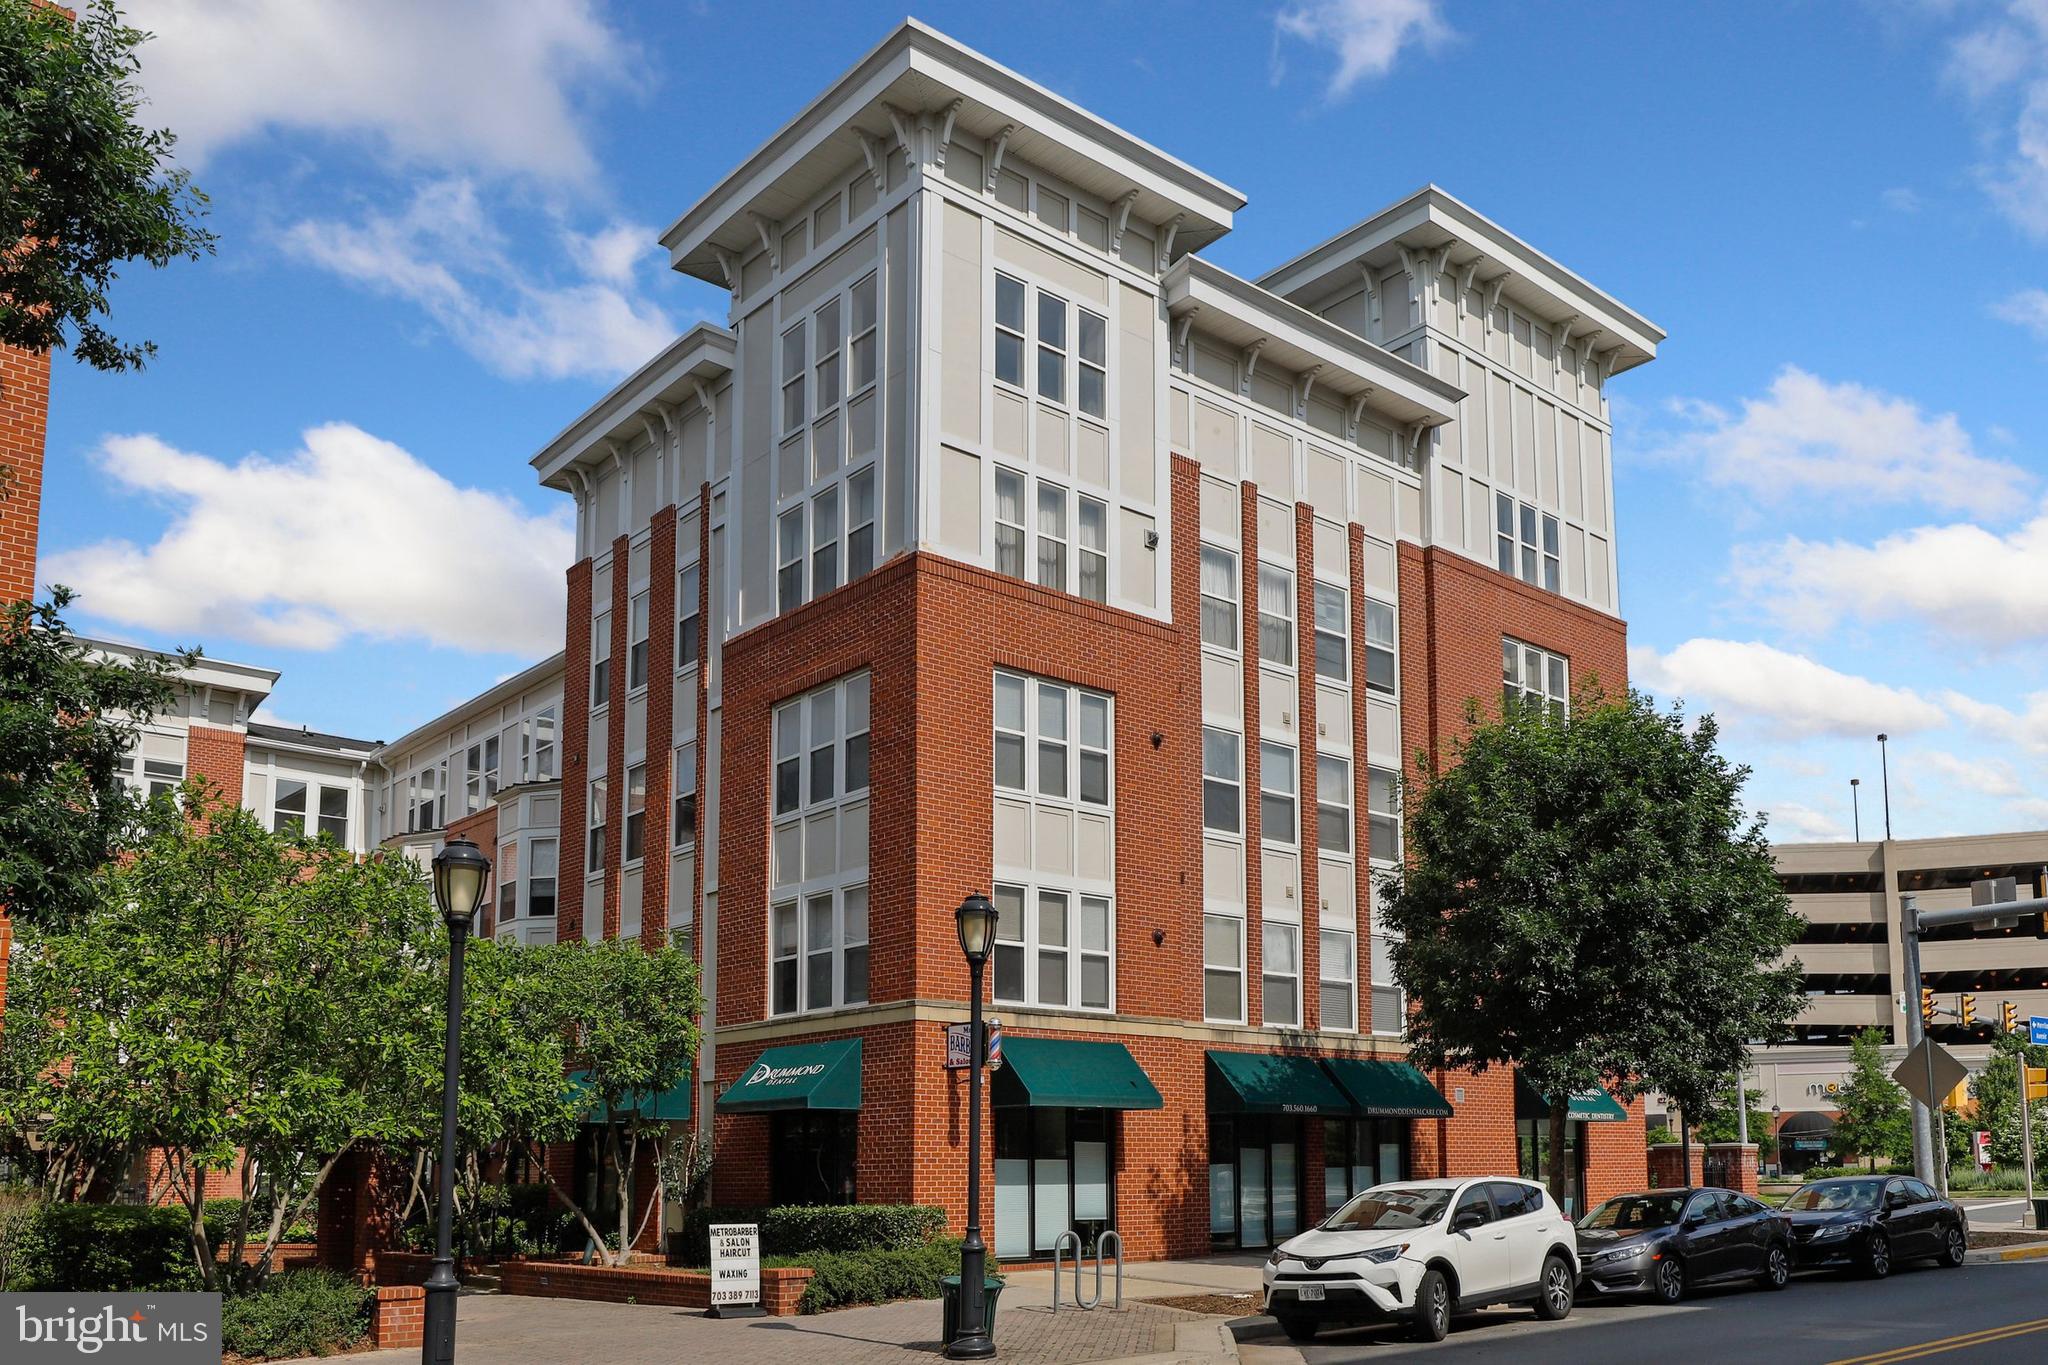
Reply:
x=1431, y=217
x=1297, y=340
x=916, y=68
x=703, y=354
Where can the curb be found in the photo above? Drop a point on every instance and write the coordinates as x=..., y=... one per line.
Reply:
x=2026, y=1251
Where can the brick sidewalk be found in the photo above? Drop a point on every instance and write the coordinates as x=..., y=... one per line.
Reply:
x=504, y=1330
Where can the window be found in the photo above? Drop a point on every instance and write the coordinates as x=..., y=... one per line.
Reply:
x=636, y=644
x=1010, y=330
x=826, y=325
x=1520, y=549
x=473, y=784
x=1550, y=554
x=861, y=370
x=818, y=920
x=1333, y=804
x=1528, y=525
x=1061, y=733
x=825, y=541
x=789, y=559
x=1092, y=386
x=1276, y=616
x=689, y=616
x=1093, y=557
x=684, y=785
x=541, y=858
x=601, y=661
x=1504, y=533
x=783, y=963
x=1052, y=347
x=1380, y=669
x=334, y=814
x=1009, y=523
x=543, y=745
x=1389, y=1006
x=1219, y=598
x=600, y=796
x=1222, y=781
x=1053, y=948
x=1052, y=537
x=508, y=895
x=1223, y=969
x=1276, y=793
x=860, y=523
x=794, y=410
x=636, y=812
x=288, y=807
x=1280, y=974
x=1338, y=968
x=1333, y=634
x=1383, y=811
x=156, y=765
x=1529, y=675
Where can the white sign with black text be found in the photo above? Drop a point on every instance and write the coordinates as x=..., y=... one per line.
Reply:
x=735, y=1270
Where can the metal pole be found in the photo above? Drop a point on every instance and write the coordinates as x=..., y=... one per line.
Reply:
x=1885, y=768
x=437, y=1347
x=1741, y=1106
x=974, y=1342
x=1856, y=806
x=1909, y=940
x=2027, y=1141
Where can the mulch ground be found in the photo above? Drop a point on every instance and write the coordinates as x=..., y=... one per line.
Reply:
x=1980, y=1238
x=1223, y=1305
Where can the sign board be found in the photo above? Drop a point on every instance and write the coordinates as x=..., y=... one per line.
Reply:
x=959, y=1048
x=1980, y=1143
x=735, y=1270
x=1948, y=1073
x=2037, y=1030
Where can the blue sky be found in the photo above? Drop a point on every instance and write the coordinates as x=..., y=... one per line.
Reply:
x=437, y=231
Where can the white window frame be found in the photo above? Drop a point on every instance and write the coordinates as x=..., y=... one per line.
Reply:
x=796, y=738
x=1070, y=741
x=277, y=810
x=633, y=841
x=1232, y=781
x=1332, y=623
x=863, y=345
x=601, y=660
x=1022, y=932
x=825, y=521
x=1234, y=925
x=1218, y=556
x=1553, y=684
x=1385, y=989
x=1340, y=809
x=1278, y=573
x=1091, y=553
x=860, y=549
x=1291, y=793
x=597, y=814
x=1383, y=812
x=1048, y=496
x=1389, y=648
x=637, y=624
x=1345, y=957
x=790, y=557
x=794, y=369
x=1267, y=976
x=683, y=787
x=689, y=617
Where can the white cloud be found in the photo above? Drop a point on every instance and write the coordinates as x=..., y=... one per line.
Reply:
x=2002, y=66
x=1795, y=822
x=1986, y=776
x=2026, y=729
x=1901, y=199
x=443, y=253
x=2027, y=308
x=350, y=537
x=1755, y=685
x=1365, y=35
x=1960, y=581
x=488, y=84
x=1807, y=436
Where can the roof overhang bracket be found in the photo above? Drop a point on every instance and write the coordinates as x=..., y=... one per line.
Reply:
x=1355, y=413
x=1465, y=275
x=1372, y=294
x=1414, y=438
x=727, y=266
x=704, y=399
x=1564, y=335
x=1000, y=145
x=1182, y=326
x=771, y=238
x=1123, y=220
x=945, y=139
x=1493, y=288
x=1251, y=366
x=1307, y=387
x=878, y=162
x=1172, y=231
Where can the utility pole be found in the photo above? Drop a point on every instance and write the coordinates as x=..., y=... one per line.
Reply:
x=1856, y=807
x=1923, y=1123
x=1885, y=771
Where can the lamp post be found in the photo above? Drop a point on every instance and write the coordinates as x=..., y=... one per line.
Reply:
x=461, y=872
x=1884, y=762
x=1856, y=806
x=976, y=921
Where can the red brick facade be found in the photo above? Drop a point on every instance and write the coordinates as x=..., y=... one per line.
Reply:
x=216, y=755
x=24, y=426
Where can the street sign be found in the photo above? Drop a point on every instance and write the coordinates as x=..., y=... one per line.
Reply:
x=2037, y=1082
x=2037, y=1031
x=735, y=1270
x=960, y=1053
x=1930, y=1082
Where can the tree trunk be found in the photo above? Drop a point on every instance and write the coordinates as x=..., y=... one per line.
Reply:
x=589, y=1228
x=1684, y=1148
x=202, y=1250
x=622, y=1167
x=1559, y=1172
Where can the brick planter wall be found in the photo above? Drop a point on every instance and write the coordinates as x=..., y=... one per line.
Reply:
x=1668, y=1170
x=1739, y=1160
x=781, y=1287
x=401, y=1317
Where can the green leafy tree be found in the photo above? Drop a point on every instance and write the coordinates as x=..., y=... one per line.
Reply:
x=1995, y=1090
x=84, y=187
x=1872, y=1116
x=235, y=1000
x=1718, y=1123
x=67, y=721
x=1586, y=900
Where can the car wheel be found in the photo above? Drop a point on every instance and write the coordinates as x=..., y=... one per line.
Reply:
x=1955, y=1247
x=1667, y=1281
x=1432, y=1307
x=1877, y=1256
x=1777, y=1269
x=1554, y=1302
x=1299, y=1329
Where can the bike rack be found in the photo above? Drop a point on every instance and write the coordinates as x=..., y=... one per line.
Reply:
x=1102, y=1248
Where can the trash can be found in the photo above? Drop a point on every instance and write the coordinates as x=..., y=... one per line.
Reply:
x=949, y=1311
x=2041, y=1213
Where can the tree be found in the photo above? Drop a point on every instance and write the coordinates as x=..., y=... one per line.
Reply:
x=1996, y=1092
x=1872, y=1118
x=1585, y=900
x=236, y=1000
x=1718, y=1124
x=83, y=186
x=67, y=722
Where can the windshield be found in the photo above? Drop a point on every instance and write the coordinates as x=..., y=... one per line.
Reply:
x=1636, y=1213
x=1389, y=1208
x=1836, y=1196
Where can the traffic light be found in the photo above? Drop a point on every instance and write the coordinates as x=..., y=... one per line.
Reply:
x=1927, y=1007
x=1967, y=1008
x=2009, y=1017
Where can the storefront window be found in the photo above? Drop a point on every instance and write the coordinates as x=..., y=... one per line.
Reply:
x=1532, y=1140
x=1361, y=1153
x=811, y=1156
x=1052, y=1174
x=1254, y=1179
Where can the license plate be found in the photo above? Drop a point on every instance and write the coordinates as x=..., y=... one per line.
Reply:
x=1309, y=1293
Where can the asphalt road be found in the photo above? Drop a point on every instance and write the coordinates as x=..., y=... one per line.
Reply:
x=1977, y=1313
x=2000, y=1212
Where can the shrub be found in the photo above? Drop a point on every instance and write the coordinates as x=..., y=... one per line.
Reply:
x=220, y=1216
x=299, y=1313
x=842, y=1278
x=104, y=1248
x=1962, y=1179
x=1814, y=1173
x=799, y=1229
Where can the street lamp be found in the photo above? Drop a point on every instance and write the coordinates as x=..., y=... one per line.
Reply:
x=976, y=921
x=461, y=872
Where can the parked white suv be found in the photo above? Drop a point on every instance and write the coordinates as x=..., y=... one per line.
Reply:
x=1418, y=1250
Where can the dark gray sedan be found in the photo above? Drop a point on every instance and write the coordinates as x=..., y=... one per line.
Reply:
x=1664, y=1243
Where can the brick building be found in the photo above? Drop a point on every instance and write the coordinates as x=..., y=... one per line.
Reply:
x=999, y=542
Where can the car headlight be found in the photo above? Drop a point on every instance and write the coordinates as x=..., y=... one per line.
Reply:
x=1833, y=1230
x=1615, y=1254
x=1277, y=1257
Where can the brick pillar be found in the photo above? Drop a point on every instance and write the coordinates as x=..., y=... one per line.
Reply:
x=401, y=1318
x=217, y=755
x=1308, y=841
x=1248, y=632
x=661, y=700
x=575, y=753
x=24, y=424
x=1361, y=788
x=615, y=742
x=1668, y=1169
x=1735, y=1165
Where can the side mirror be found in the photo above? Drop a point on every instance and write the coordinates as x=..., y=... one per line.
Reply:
x=1465, y=1220
x=1694, y=1220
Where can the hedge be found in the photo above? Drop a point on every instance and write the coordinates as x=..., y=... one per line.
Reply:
x=103, y=1248
x=843, y=1278
x=799, y=1229
x=299, y=1313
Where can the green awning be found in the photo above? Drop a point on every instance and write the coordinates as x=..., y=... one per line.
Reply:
x=1584, y=1106
x=1388, y=1090
x=673, y=1103
x=1272, y=1083
x=805, y=1076
x=1064, y=1073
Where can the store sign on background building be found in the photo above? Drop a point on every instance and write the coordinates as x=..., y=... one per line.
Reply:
x=161, y=1329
